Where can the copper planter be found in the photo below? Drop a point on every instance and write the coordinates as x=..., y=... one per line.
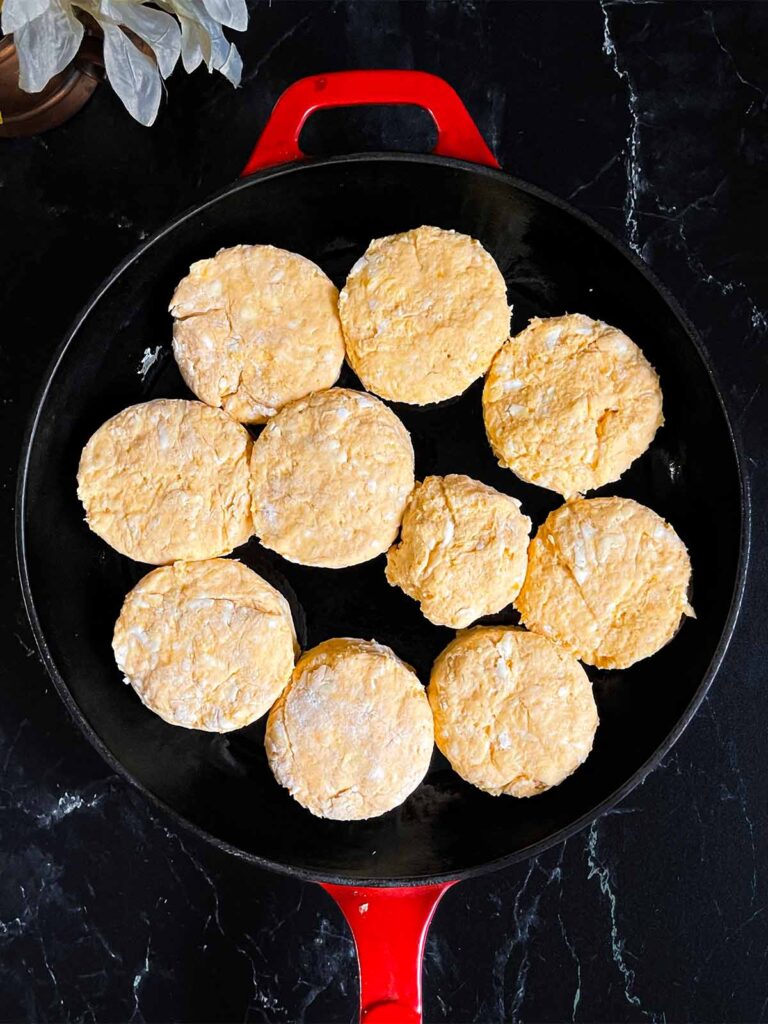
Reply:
x=25, y=113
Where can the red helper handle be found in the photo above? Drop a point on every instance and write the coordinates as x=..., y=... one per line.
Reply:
x=457, y=134
x=390, y=928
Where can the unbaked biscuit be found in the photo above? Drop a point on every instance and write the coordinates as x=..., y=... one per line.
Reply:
x=608, y=579
x=168, y=480
x=331, y=475
x=206, y=645
x=423, y=314
x=352, y=735
x=514, y=714
x=570, y=403
x=256, y=327
x=463, y=550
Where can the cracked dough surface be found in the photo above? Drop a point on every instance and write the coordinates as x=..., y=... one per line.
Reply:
x=607, y=579
x=256, y=327
x=331, y=476
x=423, y=314
x=570, y=403
x=206, y=645
x=514, y=714
x=463, y=550
x=168, y=480
x=352, y=735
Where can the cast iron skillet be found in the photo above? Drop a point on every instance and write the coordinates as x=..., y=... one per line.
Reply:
x=554, y=260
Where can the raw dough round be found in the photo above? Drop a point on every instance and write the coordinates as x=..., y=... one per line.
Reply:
x=168, y=480
x=608, y=579
x=206, y=645
x=463, y=550
x=423, y=314
x=331, y=476
x=513, y=713
x=352, y=735
x=570, y=403
x=256, y=327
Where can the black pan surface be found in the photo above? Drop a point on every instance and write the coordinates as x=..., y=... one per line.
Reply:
x=554, y=260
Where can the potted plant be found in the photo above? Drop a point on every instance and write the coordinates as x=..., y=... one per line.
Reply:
x=137, y=43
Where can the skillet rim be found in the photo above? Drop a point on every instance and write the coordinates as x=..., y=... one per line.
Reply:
x=534, y=849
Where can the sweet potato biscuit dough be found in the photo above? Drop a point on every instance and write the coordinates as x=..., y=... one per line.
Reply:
x=423, y=314
x=331, y=476
x=256, y=327
x=570, y=403
x=352, y=735
x=206, y=645
x=514, y=714
x=463, y=550
x=608, y=579
x=168, y=480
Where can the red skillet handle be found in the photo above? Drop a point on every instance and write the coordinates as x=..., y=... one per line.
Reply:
x=457, y=133
x=390, y=928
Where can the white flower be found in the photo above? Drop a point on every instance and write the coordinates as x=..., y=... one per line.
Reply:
x=48, y=33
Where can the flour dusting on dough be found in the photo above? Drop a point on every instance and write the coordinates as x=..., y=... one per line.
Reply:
x=148, y=360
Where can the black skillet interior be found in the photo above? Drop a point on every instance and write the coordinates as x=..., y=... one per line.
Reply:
x=553, y=262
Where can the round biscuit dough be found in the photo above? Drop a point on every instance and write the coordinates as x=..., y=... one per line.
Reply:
x=331, y=476
x=423, y=315
x=206, y=645
x=256, y=327
x=570, y=403
x=168, y=480
x=514, y=714
x=352, y=735
x=608, y=579
x=463, y=550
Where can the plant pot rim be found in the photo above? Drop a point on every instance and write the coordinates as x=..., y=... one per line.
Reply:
x=62, y=97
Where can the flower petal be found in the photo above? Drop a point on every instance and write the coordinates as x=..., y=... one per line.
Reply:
x=18, y=12
x=232, y=68
x=132, y=74
x=46, y=45
x=232, y=13
x=194, y=44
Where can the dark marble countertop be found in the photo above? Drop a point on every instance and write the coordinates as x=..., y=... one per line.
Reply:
x=652, y=118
